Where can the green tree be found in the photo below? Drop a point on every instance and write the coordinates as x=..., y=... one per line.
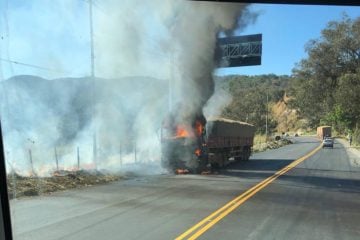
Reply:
x=250, y=102
x=327, y=80
x=337, y=118
x=348, y=98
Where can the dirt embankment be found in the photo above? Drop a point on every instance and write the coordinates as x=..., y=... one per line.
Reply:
x=287, y=119
x=20, y=186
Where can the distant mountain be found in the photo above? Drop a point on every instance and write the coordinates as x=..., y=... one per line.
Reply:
x=31, y=104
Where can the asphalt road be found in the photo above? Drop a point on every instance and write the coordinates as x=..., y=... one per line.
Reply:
x=318, y=199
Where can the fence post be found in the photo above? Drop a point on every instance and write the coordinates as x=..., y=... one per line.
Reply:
x=31, y=162
x=39, y=179
x=120, y=156
x=95, y=152
x=135, y=151
x=14, y=184
x=56, y=159
x=13, y=175
x=78, y=158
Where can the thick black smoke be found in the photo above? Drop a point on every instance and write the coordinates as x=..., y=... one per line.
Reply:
x=170, y=42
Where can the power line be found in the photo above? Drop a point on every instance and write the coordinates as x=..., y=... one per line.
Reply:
x=31, y=65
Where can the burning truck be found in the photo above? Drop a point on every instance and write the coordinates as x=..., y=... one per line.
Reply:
x=198, y=145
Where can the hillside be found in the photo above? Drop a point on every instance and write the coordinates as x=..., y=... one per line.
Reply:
x=287, y=118
x=255, y=97
x=47, y=121
x=66, y=104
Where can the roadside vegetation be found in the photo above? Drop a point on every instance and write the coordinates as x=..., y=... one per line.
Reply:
x=324, y=88
x=262, y=143
x=27, y=186
x=253, y=97
x=326, y=84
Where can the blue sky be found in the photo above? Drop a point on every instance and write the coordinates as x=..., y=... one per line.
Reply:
x=286, y=29
x=55, y=35
x=51, y=34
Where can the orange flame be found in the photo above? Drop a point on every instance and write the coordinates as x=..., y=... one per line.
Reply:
x=181, y=132
x=198, y=152
x=181, y=171
x=199, y=128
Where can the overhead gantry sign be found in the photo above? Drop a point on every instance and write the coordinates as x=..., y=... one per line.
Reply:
x=239, y=51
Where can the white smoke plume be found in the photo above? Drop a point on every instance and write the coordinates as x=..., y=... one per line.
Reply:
x=149, y=54
x=218, y=101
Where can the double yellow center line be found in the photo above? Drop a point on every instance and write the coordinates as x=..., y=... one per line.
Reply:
x=205, y=224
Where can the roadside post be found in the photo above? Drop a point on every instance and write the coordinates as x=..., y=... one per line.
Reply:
x=56, y=159
x=78, y=158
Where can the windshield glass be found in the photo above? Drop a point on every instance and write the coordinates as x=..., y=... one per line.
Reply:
x=87, y=88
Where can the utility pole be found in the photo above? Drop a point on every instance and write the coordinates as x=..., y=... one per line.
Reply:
x=92, y=40
x=170, y=93
x=172, y=62
x=92, y=61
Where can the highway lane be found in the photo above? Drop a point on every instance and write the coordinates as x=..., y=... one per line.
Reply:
x=318, y=199
x=164, y=206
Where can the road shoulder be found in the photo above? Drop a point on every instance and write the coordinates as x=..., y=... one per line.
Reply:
x=353, y=153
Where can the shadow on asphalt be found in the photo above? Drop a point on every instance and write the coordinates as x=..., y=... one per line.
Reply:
x=255, y=168
x=320, y=182
x=260, y=164
x=300, y=177
x=298, y=193
x=307, y=141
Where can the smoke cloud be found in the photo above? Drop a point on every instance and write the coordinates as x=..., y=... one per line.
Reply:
x=151, y=55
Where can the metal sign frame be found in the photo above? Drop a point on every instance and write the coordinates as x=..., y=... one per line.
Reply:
x=239, y=51
x=294, y=2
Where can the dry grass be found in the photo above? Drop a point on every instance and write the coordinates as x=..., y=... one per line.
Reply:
x=20, y=186
x=259, y=138
x=260, y=143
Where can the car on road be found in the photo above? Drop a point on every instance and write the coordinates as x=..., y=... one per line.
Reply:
x=328, y=142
